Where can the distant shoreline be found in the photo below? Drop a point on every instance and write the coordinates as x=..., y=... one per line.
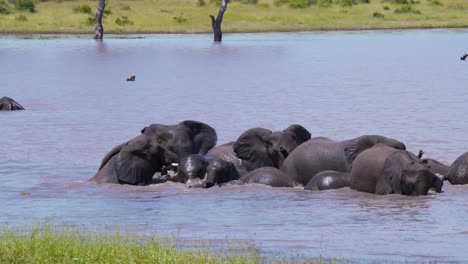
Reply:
x=185, y=17
x=20, y=33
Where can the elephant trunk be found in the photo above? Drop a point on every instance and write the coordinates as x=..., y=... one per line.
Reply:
x=207, y=184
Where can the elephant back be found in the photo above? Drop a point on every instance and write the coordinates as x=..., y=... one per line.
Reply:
x=458, y=171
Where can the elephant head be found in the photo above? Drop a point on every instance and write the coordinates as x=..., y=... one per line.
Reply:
x=261, y=147
x=219, y=171
x=8, y=104
x=187, y=137
x=191, y=168
x=358, y=145
x=408, y=175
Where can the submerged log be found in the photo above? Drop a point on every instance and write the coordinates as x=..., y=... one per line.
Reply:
x=216, y=22
x=99, y=30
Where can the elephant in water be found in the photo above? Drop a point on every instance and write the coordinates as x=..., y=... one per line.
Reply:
x=135, y=163
x=458, y=171
x=226, y=152
x=319, y=154
x=329, y=179
x=8, y=104
x=260, y=147
x=436, y=166
x=205, y=171
x=385, y=170
x=187, y=137
x=269, y=176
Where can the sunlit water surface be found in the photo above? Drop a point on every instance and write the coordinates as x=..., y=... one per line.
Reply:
x=408, y=85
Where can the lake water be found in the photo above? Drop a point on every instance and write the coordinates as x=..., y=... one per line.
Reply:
x=409, y=85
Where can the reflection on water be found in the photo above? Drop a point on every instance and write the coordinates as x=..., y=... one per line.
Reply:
x=408, y=85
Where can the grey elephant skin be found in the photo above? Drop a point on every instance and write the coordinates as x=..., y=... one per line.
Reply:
x=385, y=170
x=269, y=176
x=260, y=147
x=458, y=171
x=226, y=152
x=320, y=154
x=8, y=104
x=187, y=137
x=135, y=163
x=329, y=179
x=211, y=171
x=436, y=166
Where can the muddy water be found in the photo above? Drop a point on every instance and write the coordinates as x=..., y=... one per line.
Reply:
x=408, y=85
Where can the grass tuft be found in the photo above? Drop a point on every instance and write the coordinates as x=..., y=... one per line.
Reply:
x=25, y=5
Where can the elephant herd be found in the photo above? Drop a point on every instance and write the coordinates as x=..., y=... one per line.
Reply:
x=187, y=153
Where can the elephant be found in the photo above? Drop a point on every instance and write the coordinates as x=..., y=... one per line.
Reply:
x=260, y=147
x=8, y=104
x=219, y=172
x=320, y=153
x=386, y=170
x=458, y=171
x=436, y=166
x=135, y=163
x=329, y=179
x=226, y=152
x=190, y=168
x=208, y=170
x=270, y=176
x=187, y=137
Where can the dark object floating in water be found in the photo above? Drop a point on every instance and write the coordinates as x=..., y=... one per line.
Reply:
x=131, y=78
x=464, y=56
x=8, y=104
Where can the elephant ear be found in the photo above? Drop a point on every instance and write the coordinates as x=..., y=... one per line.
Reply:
x=301, y=134
x=393, y=173
x=204, y=136
x=111, y=154
x=356, y=146
x=127, y=170
x=15, y=105
x=252, y=146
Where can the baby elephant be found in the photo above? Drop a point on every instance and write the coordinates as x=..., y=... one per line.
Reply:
x=210, y=171
x=8, y=104
x=385, y=170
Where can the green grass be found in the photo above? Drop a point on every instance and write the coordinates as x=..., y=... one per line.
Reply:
x=184, y=16
x=49, y=245
x=45, y=245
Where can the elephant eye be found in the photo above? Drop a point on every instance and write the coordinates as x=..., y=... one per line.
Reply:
x=160, y=140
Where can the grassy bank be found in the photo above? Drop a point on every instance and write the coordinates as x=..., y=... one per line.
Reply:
x=49, y=246
x=46, y=245
x=185, y=16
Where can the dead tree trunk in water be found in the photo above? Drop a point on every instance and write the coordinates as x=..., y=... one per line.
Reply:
x=216, y=23
x=99, y=30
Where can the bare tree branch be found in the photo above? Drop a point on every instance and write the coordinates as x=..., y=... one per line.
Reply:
x=99, y=30
x=216, y=23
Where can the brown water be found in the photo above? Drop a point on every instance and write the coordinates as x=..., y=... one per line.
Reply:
x=407, y=85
